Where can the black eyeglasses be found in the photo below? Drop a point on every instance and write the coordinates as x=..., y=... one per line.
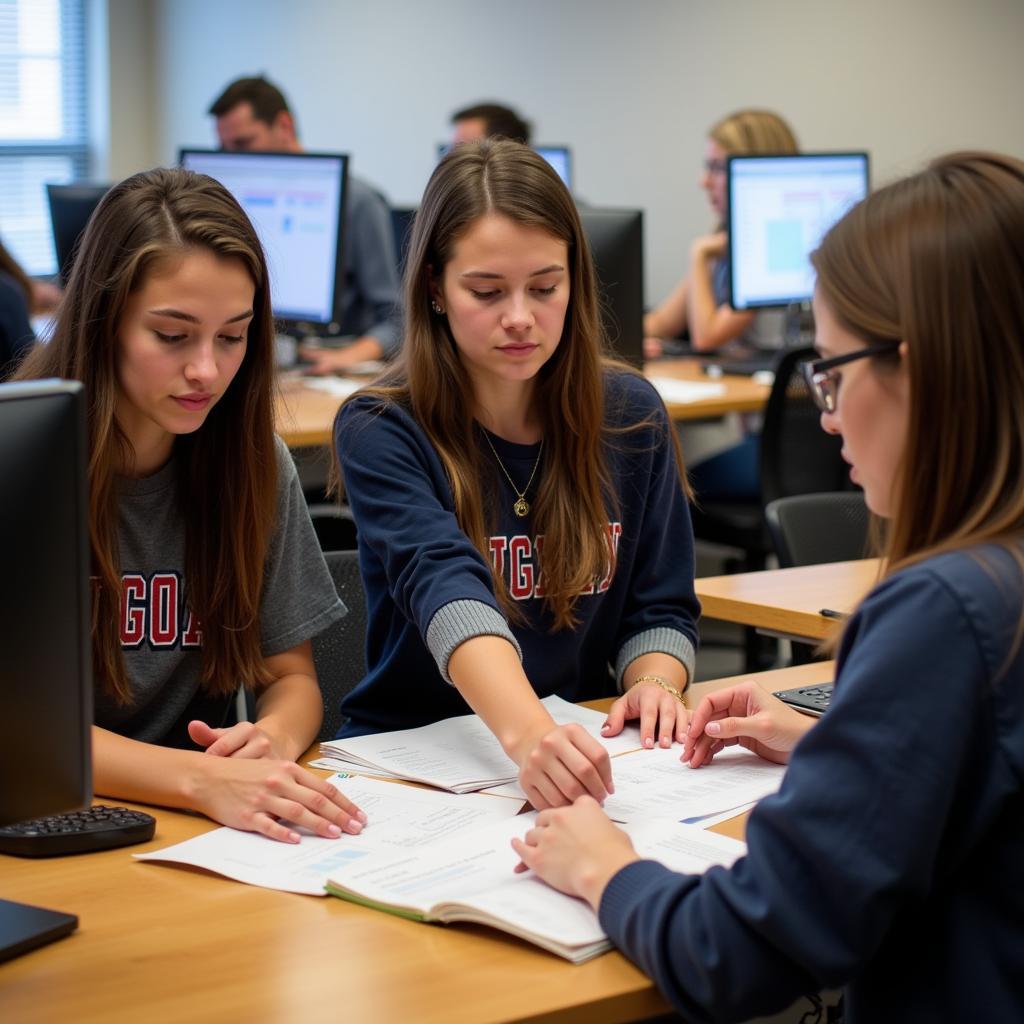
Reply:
x=714, y=166
x=823, y=380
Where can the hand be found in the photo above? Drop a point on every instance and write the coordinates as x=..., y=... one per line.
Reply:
x=558, y=765
x=575, y=849
x=709, y=247
x=651, y=704
x=242, y=740
x=744, y=714
x=653, y=348
x=321, y=362
x=254, y=795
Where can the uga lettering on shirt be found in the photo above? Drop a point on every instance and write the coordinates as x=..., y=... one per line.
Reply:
x=154, y=613
x=517, y=560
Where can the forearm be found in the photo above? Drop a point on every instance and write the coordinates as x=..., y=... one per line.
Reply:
x=290, y=711
x=702, y=306
x=144, y=772
x=486, y=670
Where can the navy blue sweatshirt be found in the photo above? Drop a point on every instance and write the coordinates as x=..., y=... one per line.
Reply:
x=429, y=589
x=892, y=859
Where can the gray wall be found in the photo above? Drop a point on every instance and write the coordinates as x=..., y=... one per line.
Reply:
x=631, y=87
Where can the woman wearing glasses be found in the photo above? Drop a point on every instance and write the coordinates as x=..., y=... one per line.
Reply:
x=892, y=859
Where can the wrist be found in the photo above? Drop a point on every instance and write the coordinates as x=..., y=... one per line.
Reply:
x=595, y=878
x=518, y=742
x=662, y=682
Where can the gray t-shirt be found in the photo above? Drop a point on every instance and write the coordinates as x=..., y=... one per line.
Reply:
x=160, y=642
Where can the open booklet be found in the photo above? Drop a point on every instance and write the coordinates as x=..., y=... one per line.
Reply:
x=401, y=819
x=459, y=754
x=471, y=878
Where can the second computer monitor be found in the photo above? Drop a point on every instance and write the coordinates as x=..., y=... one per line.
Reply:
x=71, y=206
x=296, y=202
x=560, y=157
x=617, y=243
x=779, y=209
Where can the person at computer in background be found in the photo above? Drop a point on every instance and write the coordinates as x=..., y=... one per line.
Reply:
x=16, y=334
x=700, y=301
x=499, y=427
x=253, y=116
x=488, y=121
x=207, y=573
x=892, y=859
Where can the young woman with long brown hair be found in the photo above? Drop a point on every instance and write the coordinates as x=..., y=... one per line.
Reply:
x=206, y=571
x=892, y=859
x=523, y=521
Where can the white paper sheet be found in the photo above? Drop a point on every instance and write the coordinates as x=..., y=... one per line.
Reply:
x=684, y=391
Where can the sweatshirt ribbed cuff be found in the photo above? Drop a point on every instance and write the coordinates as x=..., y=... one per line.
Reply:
x=458, y=621
x=635, y=883
x=659, y=640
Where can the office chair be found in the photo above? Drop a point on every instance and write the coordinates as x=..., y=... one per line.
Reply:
x=401, y=225
x=796, y=457
x=334, y=526
x=339, y=652
x=809, y=529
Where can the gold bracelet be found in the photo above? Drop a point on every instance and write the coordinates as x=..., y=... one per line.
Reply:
x=662, y=682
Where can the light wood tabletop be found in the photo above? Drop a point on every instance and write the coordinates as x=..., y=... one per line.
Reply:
x=305, y=415
x=161, y=944
x=789, y=601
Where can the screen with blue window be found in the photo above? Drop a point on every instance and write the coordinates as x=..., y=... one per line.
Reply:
x=296, y=202
x=779, y=209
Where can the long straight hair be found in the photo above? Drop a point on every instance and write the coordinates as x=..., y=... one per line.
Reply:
x=575, y=496
x=227, y=478
x=937, y=261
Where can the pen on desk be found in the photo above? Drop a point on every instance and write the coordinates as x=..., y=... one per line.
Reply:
x=831, y=613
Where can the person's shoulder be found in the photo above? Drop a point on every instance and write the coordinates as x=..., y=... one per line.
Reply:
x=369, y=414
x=982, y=570
x=11, y=293
x=363, y=193
x=629, y=396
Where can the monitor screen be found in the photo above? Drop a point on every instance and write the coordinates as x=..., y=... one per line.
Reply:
x=46, y=666
x=296, y=202
x=71, y=207
x=560, y=157
x=779, y=209
x=617, y=243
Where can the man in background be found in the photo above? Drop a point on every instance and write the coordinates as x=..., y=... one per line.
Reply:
x=488, y=120
x=253, y=116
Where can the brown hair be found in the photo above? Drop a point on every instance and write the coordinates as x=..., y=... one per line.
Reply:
x=571, y=509
x=752, y=133
x=266, y=100
x=937, y=261
x=227, y=476
x=501, y=121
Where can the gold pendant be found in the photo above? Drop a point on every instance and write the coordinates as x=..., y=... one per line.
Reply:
x=521, y=508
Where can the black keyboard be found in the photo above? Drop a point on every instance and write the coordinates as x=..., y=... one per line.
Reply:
x=811, y=700
x=95, y=828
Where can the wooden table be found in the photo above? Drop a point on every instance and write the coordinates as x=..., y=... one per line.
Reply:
x=158, y=944
x=788, y=601
x=305, y=416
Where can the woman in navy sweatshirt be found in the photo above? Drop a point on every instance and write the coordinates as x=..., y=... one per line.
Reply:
x=892, y=859
x=523, y=520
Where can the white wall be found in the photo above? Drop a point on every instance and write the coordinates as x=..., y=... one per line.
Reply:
x=631, y=87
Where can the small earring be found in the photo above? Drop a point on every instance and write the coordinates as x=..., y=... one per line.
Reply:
x=436, y=307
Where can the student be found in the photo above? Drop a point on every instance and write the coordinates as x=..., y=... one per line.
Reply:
x=522, y=519
x=16, y=334
x=253, y=116
x=699, y=302
x=206, y=570
x=892, y=859
x=488, y=121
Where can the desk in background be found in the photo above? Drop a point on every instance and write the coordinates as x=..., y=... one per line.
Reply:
x=165, y=945
x=788, y=601
x=304, y=416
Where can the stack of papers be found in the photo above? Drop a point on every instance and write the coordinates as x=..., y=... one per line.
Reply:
x=459, y=754
x=684, y=391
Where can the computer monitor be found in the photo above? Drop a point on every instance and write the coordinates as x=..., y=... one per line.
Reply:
x=560, y=157
x=779, y=209
x=71, y=207
x=296, y=202
x=45, y=650
x=617, y=243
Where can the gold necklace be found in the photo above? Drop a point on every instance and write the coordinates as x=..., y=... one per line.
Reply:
x=521, y=506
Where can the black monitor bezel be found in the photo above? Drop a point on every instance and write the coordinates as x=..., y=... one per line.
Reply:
x=55, y=195
x=284, y=317
x=729, y=164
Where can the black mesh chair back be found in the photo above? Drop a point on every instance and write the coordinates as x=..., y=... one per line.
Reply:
x=797, y=456
x=810, y=529
x=340, y=651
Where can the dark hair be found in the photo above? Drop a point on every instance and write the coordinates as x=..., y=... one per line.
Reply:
x=937, y=261
x=227, y=479
x=502, y=122
x=266, y=100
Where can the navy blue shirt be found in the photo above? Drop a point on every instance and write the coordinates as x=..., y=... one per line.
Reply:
x=419, y=569
x=892, y=859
